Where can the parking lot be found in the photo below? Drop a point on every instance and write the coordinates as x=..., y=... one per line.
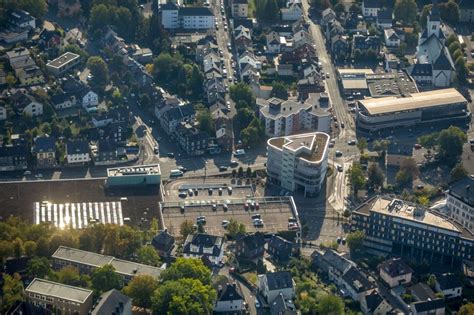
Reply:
x=214, y=190
x=273, y=211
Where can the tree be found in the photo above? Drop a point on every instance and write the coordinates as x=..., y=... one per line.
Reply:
x=354, y=8
x=29, y=248
x=375, y=175
x=362, y=144
x=339, y=7
x=99, y=70
x=187, y=268
x=381, y=146
x=70, y=275
x=99, y=17
x=12, y=291
x=10, y=80
x=466, y=309
x=402, y=178
x=241, y=91
x=431, y=281
x=405, y=10
x=234, y=228
x=204, y=118
x=253, y=134
x=37, y=8
x=77, y=50
x=145, y=100
x=450, y=144
x=429, y=141
x=186, y=228
x=243, y=117
x=147, y=255
x=38, y=267
x=248, y=172
x=409, y=166
x=449, y=12
x=141, y=289
x=423, y=200
x=195, y=81
x=330, y=305
x=279, y=90
x=105, y=278
x=356, y=177
x=240, y=171
x=355, y=241
x=458, y=172
x=183, y=296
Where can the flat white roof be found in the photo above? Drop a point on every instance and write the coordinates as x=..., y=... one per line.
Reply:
x=355, y=71
x=384, y=105
x=58, y=290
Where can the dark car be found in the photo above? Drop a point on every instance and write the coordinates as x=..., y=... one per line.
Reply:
x=222, y=168
x=171, y=155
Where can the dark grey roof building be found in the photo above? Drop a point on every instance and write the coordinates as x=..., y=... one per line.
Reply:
x=163, y=243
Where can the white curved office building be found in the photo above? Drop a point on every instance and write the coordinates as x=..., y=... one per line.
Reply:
x=298, y=162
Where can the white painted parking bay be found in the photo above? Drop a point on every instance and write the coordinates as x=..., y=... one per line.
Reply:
x=77, y=215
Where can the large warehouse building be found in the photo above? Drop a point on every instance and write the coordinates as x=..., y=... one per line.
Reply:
x=410, y=109
x=141, y=175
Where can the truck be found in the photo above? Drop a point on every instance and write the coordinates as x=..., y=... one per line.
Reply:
x=176, y=173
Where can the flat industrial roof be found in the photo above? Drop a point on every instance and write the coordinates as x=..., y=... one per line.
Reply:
x=152, y=169
x=351, y=84
x=355, y=71
x=63, y=59
x=58, y=290
x=377, y=106
x=124, y=267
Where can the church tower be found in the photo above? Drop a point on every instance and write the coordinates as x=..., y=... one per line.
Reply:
x=433, y=22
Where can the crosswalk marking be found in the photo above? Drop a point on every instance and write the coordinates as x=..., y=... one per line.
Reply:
x=77, y=215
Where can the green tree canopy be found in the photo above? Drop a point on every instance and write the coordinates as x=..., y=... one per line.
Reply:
x=141, y=289
x=187, y=268
x=38, y=267
x=242, y=91
x=450, y=144
x=183, y=296
x=355, y=241
x=279, y=90
x=234, y=228
x=204, y=118
x=99, y=70
x=356, y=177
x=458, y=172
x=405, y=10
x=186, y=228
x=330, y=305
x=375, y=175
x=37, y=8
x=449, y=11
x=105, y=278
x=70, y=275
x=12, y=291
x=147, y=255
x=362, y=144
x=466, y=309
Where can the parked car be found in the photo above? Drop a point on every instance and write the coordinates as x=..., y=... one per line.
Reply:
x=239, y=152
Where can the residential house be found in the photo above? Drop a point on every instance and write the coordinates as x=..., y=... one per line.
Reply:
x=77, y=152
x=421, y=292
x=293, y=12
x=22, y=18
x=230, y=301
x=273, y=43
x=392, y=40
x=107, y=153
x=448, y=284
x=113, y=302
x=171, y=118
x=385, y=18
x=332, y=263
x=22, y=307
x=242, y=38
x=192, y=17
x=90, y=100
x=12, y=35
x=363, y=43
x=239, y=8
x=282, y=306
x=85, y=97
x=249, y=74
x=49, y=39
x=460, y=202
x=13, y=158
x=163, y=242
x=334, y=28
x=356, y=284
x=63, y=63
x=297, y=55
x=395, y=272
x=142, y=55
x=309, y=85
x=113, y=115
x=339, y=45
x=285, y=70
x=192, y=140
x=370, y=8
x=374, y=304
x=30, y=75
x=215, y=90
x=17, y=54
x=64, y=299
x=280, y=249
x=250, y=246
x=248, y=58
x=224, y=130
x=86, y=262
x=428, y=307
x=397, y=154
x=44, y=150
x=300, y=38
x=201, y=244
x=466, y=11
x=63, y=100
x=327, y=16
x=271, y=284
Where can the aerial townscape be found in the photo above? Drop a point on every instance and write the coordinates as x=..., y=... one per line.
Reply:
x=231, y=157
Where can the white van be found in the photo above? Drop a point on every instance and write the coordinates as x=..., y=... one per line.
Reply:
x=239, y=152
x=176, y=173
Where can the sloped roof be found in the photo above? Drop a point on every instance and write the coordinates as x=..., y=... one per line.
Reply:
x=425, y=306
x=279, y=280
x=463, y=189
x=230, y=293
x=395, y=267
x=373, y=300
x=357, y=280
x=448, y=281
x=109, y=301
x=163, y=241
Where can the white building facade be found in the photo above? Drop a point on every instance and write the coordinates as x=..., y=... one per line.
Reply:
x=194, y=18
x=460, y=202
x=298, y=162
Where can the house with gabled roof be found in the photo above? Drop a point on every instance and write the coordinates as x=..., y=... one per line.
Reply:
x=272, y=284
x=250, y=246
x=230, y=300
x=202, y=244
